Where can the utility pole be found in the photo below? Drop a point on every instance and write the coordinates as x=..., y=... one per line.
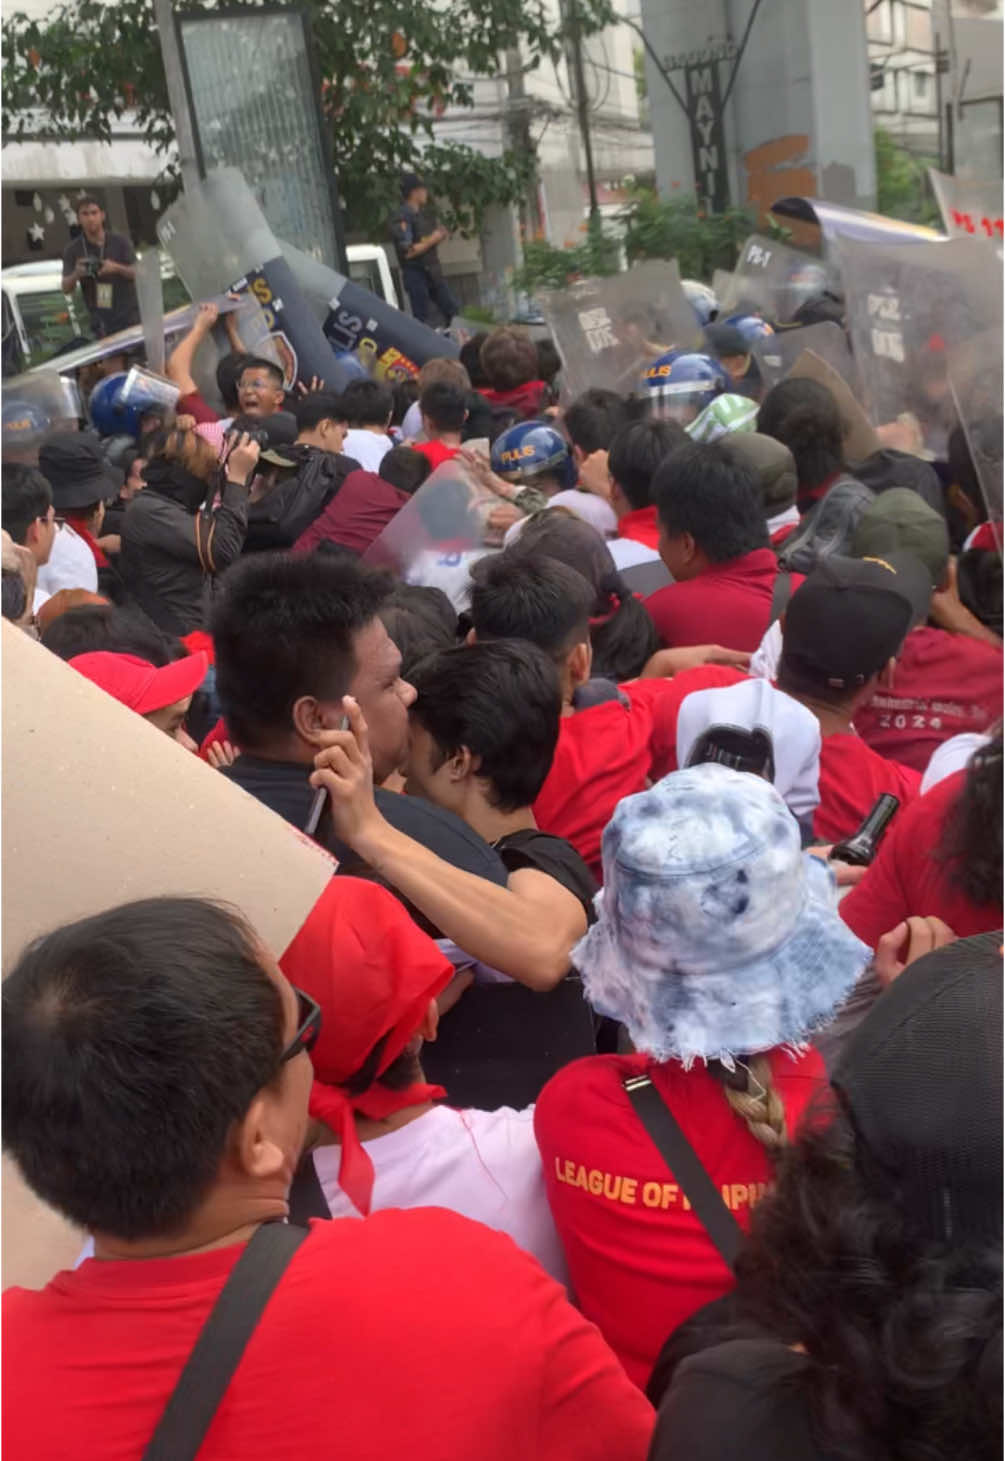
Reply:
x=518, y=126
x=188, y=157
x=582, y=104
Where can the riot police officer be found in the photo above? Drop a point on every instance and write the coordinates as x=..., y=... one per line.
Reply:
x=417, y=237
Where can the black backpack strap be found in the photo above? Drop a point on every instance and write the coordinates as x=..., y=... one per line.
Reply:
x=780, y=594
x=222, y=1341
x=307, y=1198
x=682, y=1159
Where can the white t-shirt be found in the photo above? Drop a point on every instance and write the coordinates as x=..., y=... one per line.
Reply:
x=366, y=447
x=482, y=1164
x=627, y=553
x=953, y=755
x=449, y=570
x=71, y=564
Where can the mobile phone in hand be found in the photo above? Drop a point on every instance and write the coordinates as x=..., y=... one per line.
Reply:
x=321, y=796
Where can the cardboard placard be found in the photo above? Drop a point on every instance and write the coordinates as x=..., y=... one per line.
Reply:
x=100, y=808
x=860, y=440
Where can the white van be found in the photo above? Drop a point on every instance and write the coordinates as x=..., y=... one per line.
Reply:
x=39, y=319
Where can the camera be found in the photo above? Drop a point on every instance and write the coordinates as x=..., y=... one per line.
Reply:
x=92, y=267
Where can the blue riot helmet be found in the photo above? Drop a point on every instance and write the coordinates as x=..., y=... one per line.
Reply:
x=24, y=422
x=113, y=413
x=702, y=299
x=529, y=450
x=680, y=384
x=751, y=327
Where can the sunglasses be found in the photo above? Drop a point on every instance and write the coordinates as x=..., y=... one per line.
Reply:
x=308, y=1026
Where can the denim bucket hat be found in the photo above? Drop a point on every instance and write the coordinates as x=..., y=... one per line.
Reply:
x=716, y=936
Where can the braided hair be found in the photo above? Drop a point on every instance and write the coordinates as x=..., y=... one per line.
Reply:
x=750, y=1091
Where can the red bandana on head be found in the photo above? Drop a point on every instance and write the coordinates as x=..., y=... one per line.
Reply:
x=373, y=972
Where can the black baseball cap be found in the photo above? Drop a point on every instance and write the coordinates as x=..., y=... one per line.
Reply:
x=75, y=466
x=851, y=616
x=921, y=1082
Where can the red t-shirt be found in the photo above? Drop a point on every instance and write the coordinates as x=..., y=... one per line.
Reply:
x=944, y=684
x=910, y=878
x=436, y=452
x=611, y=751
x=639, y=1260
x=358, y=513
x=730, y=604
x=529, y=399
x=410, y=1334
x=642, y=526
x=194, y=405
x=852, y=779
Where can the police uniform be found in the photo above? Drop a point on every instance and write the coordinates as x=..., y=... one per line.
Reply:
x=422, y=276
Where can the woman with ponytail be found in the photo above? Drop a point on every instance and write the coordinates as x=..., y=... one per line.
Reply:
x=185, y=527
x=718, y=949
x=622, y=635
x=866, y=1322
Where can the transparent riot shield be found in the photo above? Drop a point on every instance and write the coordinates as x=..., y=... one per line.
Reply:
x=776, y=354
x=976, y=382
x=32, y=406
x=607, y=331
x=440, y=533
x=772, y=279
x=150, y=294
x=970, y=207
x=910, y=306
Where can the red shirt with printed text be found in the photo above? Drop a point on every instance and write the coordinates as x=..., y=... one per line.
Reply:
x=639, y=1260
x=944, y=684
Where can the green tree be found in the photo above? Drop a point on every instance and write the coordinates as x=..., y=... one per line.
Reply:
x=390, y=69
x=902, y=188
x=675, y=228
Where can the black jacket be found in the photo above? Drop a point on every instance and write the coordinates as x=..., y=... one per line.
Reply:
x=169, y=557
x=293, y=503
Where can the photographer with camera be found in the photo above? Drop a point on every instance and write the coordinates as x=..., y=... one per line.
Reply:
x=186, y=526
x=104, y=265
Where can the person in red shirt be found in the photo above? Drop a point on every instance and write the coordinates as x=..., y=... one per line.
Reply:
x=841, y=635
x=174, y=1057
x=613, y=738
x=948, y=678
x=366, y=502
x=942, y=858
x=636, y=452
x=510, y=361
x=444, y=410
x=719, y=949
x=714, y=542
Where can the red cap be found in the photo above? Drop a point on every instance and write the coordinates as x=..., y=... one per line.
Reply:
x=139, y=685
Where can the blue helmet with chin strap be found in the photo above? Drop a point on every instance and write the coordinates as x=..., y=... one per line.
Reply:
x=530, y=449
x=751, y=327
x=681, y=383
x=113, y=415
x=702, y=299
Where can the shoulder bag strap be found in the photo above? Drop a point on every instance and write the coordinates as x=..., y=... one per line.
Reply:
x=222, y=1340
x=682, y=1159
x=307, y=1198
x=780, y=594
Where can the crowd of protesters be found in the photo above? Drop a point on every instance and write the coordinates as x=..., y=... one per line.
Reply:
x=634, y=1088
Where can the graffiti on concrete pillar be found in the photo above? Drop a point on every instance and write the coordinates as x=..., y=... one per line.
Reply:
x=777, y=169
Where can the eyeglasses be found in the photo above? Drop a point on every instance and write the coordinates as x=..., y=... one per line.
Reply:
x=261, y=384
x=308, y=1028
